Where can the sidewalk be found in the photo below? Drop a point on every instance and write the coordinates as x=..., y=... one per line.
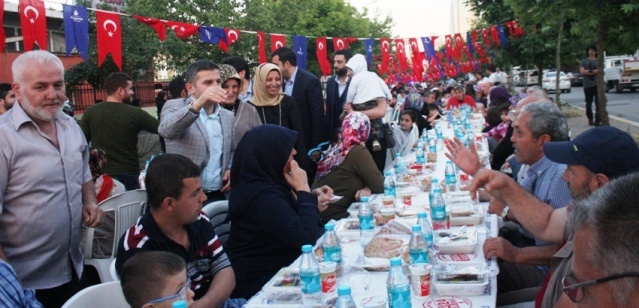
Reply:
x=578, y=123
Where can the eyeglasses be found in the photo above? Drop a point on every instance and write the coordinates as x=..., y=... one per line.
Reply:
x=573, y=288
x=181, y=295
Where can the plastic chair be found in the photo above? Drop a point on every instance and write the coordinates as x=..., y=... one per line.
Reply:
x=128, y=207
x=104, y=295
x=217, y=212
x=113, y=271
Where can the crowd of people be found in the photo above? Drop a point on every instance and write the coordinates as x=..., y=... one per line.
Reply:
x=277, y=148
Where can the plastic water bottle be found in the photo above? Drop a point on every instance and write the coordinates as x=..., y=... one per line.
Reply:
x=420, y=159
x=400, y=165
x=179, y=304
x=310, y=277
x=398, y=285
x=417, y=248
x=451, y=177
x=344, y=298
x=427, y=230
x=438, y=212
x=434, y=187
x=366, y=232
x=331, y=244
x=438, y=132
x=389, y=184
x=432, y=145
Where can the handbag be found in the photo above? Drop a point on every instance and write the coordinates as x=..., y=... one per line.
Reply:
x=388, y=134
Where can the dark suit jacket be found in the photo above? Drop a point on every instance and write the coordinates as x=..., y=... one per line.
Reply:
x=307, y=92
x=334, y=103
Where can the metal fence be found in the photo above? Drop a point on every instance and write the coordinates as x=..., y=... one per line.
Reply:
x=85, y=95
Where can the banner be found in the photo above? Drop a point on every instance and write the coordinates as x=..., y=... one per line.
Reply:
x=400, y=51
x=33, y=21
x=154, y=23
x=277, y=41
x=76, y=30
x=342, y=42
x=212, y=35
x=182, y=30
x=502, y=36
x=261, y=48
x=232, y=35
x=368, y=46
x=385, y=44
x=322, y=56
x=109, y=37
x=300, y=45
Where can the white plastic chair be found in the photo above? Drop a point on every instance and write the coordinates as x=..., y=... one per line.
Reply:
x=128, y=207
x=113, y=271
x=217, y=212
x=104, y=295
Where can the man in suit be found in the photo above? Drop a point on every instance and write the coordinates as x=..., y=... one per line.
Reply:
x=336, y=89
x=306, y=89
x=199, y=129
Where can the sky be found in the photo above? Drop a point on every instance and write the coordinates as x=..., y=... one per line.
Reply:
x=417, y=18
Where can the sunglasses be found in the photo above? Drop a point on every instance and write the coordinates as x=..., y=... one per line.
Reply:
x=574, y=288
x=181, y=295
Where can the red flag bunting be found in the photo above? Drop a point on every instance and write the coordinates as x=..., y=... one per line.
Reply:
x=400, y=51
x=33, y=21
x=432, y=39
x=495, y=36
x=277, y=41
x=418, y=59
x=3, y=37
x=479, y=50
x=459, y=43
x=385, y=44
x=154, y=23
x=484, y=35
x=474, y=37
x=261, y=42
x=342, y=42
x=322, y=56
x=232, y=35
x=109, y=37
x=449, y=46
x=182, y=30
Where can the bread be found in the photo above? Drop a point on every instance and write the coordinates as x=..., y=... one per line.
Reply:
x=383, y=247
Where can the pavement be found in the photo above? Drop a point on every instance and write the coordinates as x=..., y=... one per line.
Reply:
x=578, y=123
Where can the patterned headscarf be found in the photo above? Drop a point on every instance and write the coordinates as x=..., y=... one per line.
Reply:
x=260, y=97
x=97, y=161
x=414, y=101
x=227, y=72
x=355, y=130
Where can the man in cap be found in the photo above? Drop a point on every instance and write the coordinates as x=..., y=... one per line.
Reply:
x=588, y=169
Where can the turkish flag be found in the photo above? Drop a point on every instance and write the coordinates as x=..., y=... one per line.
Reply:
x=459, y=43
x=495, y=36
x=154, y=23
x=449, y=46
x=277, y=41
x=33, y=21
x=432, y=40
x=109, y=37
x=474, y=37
x=400, y=51
x=484, y=35
x=232, y=35
x=517, y=31
x=261, y=41
x=182, y=30
x=340, y=43
x=3, y=37
x=385, y=44
x=418, y=59
x=322, y=56
x=479, y=50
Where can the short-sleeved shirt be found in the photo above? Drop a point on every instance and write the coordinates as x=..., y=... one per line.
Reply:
x=204, y=258
x=587, y=64
x=453, y=102
x=11, y=292
x=41, y=198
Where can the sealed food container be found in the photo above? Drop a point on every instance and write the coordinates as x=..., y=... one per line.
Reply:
x=464, y=213
x=374, y=302
x=460, y=279
x=348, y=228
x=284, y=287
x=461, y=240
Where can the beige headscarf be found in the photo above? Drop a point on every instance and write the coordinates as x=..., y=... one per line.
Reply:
x=260, y=97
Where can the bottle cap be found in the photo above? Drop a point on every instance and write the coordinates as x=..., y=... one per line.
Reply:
x=179, y=304
x=307, y=248
x=364, y=199
x=398, y=155
x=416, y=228
x=388, y=173
x=421, y=214
x=329, y=226
x=344, y=289
x=395, y=261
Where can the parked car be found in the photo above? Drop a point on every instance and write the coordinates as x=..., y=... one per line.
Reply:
x=548, y=81
x=531, y=79
x=576, y=80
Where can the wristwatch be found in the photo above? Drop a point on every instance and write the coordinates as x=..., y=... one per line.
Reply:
x=191, y=109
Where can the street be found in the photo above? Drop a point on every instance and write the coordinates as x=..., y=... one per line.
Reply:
x=623, y=105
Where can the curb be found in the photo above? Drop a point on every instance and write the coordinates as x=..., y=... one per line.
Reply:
x=616, y=118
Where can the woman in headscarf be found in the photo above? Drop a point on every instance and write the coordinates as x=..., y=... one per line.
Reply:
x=245, y=114
x=275, y=107
x=348, y=168
x=105, y=187
x=271, y=208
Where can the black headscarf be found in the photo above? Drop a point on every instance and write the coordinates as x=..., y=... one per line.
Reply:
x=258, y=165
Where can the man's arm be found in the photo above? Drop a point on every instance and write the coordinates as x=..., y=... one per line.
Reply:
x=91, y=212
x=148, y=123
x=376, y=113
x=175, y=119
x=535, y=255
x=220, y=289
x=541, y=219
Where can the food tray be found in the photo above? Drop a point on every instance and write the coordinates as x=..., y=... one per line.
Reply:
x=468, y=279
x=460, y=245
x=284, y=287
x=348, y=228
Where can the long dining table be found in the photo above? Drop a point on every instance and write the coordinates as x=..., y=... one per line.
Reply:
x=369, y=280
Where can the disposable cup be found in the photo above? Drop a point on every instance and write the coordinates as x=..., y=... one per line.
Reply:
x=420, y=279
x=328, y=276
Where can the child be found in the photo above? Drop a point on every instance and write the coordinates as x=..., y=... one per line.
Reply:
x=406, y=134
x=155, y=279
x=433, y=114
x=498, y=132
